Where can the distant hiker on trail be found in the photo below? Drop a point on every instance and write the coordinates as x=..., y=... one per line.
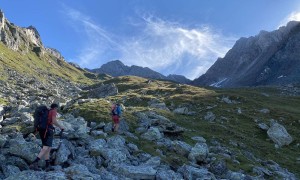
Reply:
x=116, y=112
x=44, y=120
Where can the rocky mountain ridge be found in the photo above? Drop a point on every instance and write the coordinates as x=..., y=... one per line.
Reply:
x=117, y=68
x=23, y=51
x=270, y=58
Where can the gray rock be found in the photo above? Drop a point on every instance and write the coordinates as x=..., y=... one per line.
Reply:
x=103, y=91
x=30, y=175
x=199, y=139
x=190, y=172
x=218, y=167
x=263, y=126
x=114, y=155
x=182, y=110
x=210, y=116
x=264, y=111
x=95, y=147
x=153, y=162
x=62, y=154
x=199, y=153
x=132, y=147
x=90, y=163
x=79, y=171
x=235, y=176
x=260, y=171
x=181, y=148
x=9, y=170
x=135, y=172
x=152, y=134
x=15, y=161
x=167, y=174
x=26, y=150
x=117, y=142
x=279, y=135
x=3, y=139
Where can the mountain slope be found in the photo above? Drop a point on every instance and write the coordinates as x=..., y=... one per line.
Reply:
x=270, y=58
x=117, y=68
x=22, y=50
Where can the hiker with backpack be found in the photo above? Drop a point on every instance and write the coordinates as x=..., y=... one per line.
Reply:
x=116, y=112
x=44, y=119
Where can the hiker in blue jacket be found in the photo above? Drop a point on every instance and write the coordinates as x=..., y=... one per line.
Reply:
x=116, y=112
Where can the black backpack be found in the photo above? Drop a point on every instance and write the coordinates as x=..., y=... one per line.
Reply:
x=41, y=117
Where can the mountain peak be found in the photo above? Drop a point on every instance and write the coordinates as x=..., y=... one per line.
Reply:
x=117, y=68
x=259, y=60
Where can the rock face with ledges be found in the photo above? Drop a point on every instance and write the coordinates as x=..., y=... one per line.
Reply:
x=16, y=38
x=269, y=58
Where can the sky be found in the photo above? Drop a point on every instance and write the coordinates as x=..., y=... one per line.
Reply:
x=183, y=37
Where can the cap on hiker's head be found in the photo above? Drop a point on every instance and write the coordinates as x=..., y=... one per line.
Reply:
x=54, y=106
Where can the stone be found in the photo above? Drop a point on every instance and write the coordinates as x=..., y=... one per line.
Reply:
x=152, y=134
x=190, y=172
x=198, y=153
x=210, y=116
x=263, y=126
x=135, y=172
x=181, y=148
x=279, y=135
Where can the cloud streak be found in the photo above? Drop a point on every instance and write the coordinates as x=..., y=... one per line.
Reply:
x=294, y=16
x=167, y=47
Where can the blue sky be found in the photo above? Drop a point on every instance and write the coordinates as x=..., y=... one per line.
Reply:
x=170, y=36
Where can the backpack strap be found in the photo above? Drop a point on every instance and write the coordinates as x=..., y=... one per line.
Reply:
x=49, y=121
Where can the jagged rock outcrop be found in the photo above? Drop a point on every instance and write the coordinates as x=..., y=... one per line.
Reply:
x=17, y=38
x=102, y=91
x=270, y=58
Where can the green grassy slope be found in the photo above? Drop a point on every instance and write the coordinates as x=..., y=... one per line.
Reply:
x=229, y=128
x=30, y=64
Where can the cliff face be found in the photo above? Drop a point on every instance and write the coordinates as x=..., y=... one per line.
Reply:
x=23, y=52
x=17, y=38
x=270, y=58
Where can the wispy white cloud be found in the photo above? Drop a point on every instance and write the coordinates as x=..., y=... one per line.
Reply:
x=96, y=41
x=167, y=47
x=170, y=47
x=294, y=16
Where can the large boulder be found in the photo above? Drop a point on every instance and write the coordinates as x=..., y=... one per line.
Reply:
x=190, y=172
x=167, y=174
x=199, y=153
x=135, y=172
x=181, y=148
x=152, y=134
x=23, y=149
x=279, y=135
x=30, y=175
x=103, y=91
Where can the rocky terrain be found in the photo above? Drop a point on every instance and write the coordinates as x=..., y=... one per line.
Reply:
x=269, y=58
x=153, y=142
x=168, y=130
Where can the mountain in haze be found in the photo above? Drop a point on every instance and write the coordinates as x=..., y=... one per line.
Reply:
x=269, y=58
x=117, y=68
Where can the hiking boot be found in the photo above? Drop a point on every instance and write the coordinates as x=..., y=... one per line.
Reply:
x=34, y=166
